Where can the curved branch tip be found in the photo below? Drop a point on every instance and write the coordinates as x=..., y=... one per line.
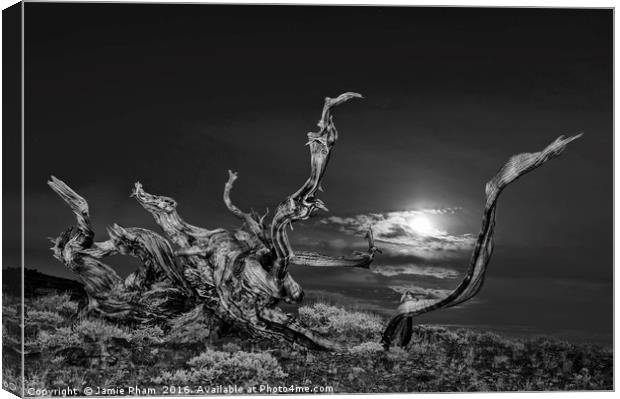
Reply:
x=232, y=176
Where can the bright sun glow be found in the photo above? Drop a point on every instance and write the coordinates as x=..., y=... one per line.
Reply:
x=422, y=225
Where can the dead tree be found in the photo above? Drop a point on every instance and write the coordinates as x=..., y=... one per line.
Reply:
x=239, y=277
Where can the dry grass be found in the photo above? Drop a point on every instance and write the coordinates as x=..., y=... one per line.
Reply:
x=64, y=351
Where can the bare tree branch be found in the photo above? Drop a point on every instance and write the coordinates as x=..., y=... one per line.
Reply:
x=356, y=259
x=253, y=222
x=292, y=330
x=164, y=211
x=301, y=204
x=78, y=205
x=399, y=327
x=107, y=294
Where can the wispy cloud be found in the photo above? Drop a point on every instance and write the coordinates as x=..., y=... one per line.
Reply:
x=422, y=293
x=411, y=268
x=429, y=294
x=400, y=229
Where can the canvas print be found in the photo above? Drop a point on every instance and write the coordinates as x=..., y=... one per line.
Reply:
x=260, y=199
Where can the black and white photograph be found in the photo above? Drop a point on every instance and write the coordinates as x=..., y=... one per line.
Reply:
x=248, y=199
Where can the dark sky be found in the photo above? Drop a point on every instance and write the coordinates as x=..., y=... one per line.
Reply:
x=175, y=95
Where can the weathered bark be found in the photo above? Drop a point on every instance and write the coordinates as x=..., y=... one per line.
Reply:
x=356, y=259
x=301, y=204
x=399, y=327
x=239, y=277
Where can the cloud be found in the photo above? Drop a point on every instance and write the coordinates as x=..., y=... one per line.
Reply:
x=397, y=229
x=411, y=268
x=422, y=293
x=431, y=294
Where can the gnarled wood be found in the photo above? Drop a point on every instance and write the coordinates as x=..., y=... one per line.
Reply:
x=155, y=290
x=399, y=327
x=301, y=204
x=356, y=259
x=255, y=224
x=239, y=277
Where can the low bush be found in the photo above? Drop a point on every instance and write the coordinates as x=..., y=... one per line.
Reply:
x=63, y=350
x=342, y=323
x=225, y=368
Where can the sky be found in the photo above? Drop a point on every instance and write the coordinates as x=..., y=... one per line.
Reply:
x=175, y=95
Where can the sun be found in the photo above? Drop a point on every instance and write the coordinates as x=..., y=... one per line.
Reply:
x=422, y=225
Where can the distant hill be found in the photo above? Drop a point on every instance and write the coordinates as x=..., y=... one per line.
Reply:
x=37, y=284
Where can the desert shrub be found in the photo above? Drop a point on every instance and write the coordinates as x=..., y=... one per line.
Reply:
x=191, y=329
x=231, y=347
x=339, y=322
x=96, y=330
x=61, y=377
x=190, y=333
x=367, y=348
x=44, y=320
x=11, y=322
x=63, y=337
x=57, y=303
x=144, y=345
x=11, y=306
x=61, y=352
x=47, y=320
x=146, y=335
x=397, y=354
x=422, y=348
x=214, y=367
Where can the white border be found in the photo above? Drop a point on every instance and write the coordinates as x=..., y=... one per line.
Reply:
x=479, y=3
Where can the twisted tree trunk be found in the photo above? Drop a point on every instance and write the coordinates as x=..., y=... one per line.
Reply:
x=239, y=277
